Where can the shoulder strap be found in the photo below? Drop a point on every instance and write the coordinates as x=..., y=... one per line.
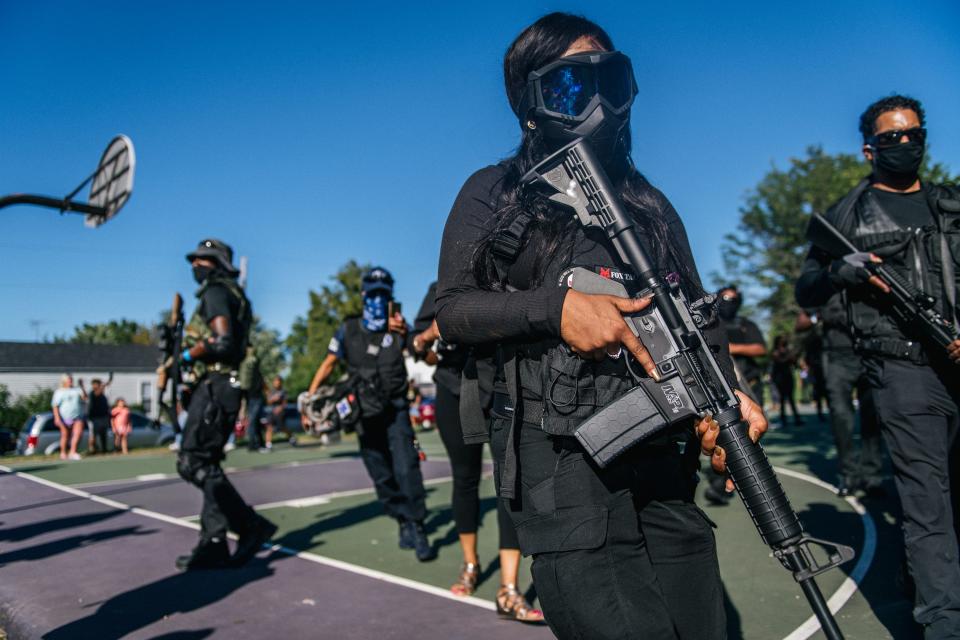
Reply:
x=508, y=242
x=842, y=217
x=508, y=477
x=471, y=412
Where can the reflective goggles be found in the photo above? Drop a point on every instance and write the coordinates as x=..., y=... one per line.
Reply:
x=570, y=86
x=893, y=138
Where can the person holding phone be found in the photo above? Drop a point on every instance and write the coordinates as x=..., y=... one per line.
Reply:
x=371, y=346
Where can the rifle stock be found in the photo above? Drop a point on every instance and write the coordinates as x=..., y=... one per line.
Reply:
x=168, y=373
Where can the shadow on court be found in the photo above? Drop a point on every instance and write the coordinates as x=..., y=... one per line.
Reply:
x=65, y=545
x=27, y=531
x=142, y=606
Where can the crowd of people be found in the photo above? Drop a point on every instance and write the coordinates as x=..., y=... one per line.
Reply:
x=75, y=410
x=523, y=358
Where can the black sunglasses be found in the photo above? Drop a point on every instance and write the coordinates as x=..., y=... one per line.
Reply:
x=891, y=138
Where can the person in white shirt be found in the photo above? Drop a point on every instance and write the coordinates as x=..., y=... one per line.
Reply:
x=67, y=407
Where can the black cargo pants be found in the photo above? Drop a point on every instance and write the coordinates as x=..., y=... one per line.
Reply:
x=618, y=553
x=211, y=415
x=844, y=374
x=919, y=413
x=392, y=460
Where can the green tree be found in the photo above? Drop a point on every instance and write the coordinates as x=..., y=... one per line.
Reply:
x=310, y=335
x=268, y=346
x=767, y=250
x=14, y=413
x=121, y=331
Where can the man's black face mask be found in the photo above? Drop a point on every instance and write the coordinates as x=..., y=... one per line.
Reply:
x=201, y=273
x=727, y=309
x=900, y=161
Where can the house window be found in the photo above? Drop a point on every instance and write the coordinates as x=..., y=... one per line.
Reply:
x=146, y=396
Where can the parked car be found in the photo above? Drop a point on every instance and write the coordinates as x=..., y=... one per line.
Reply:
x=41, y=435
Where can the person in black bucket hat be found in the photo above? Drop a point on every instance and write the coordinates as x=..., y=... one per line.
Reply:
x=216, y=341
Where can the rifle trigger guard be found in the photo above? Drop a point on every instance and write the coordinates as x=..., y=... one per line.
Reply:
x=837, y=554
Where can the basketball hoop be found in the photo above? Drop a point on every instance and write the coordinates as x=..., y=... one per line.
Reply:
x=112, y=184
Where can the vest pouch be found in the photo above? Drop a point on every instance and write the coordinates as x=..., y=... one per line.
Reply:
x=370, y=395
x=574, y=389
x=865, y=319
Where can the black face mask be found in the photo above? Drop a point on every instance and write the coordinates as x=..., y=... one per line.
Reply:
x=727, y=309
x=901, y=161
x=200, y=274
x=605, y=131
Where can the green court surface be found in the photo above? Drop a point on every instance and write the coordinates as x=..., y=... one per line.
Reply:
x=763, y=600
x=110, y=467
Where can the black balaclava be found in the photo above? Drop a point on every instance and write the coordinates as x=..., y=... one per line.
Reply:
x=727, y=309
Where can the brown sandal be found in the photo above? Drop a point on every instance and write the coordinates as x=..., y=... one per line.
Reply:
x=512, y=605
x=466, y=584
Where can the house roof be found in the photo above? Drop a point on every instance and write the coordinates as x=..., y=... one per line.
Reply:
x=43, y=356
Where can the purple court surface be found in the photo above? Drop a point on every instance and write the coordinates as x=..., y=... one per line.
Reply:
x=74, y=568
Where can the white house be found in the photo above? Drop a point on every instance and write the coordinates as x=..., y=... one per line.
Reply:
x=26, y=367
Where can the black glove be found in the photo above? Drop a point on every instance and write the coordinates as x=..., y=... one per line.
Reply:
x=850, y=271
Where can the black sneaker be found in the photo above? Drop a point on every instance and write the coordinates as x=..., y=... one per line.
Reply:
x=407, y=535
x=252, y=541
x=421, y=545
x=206, y=555
x=717, y=498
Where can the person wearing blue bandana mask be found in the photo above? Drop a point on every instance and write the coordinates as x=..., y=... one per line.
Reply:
x=371, y=347
x=375, y=312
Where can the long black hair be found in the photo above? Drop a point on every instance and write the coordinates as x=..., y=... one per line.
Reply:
x=539, y=44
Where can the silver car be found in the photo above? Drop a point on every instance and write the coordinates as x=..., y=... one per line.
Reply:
x=41, y=435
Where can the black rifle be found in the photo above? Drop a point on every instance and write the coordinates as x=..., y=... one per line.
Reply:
x=692, y=382
x=168, y=373
x=910, y=306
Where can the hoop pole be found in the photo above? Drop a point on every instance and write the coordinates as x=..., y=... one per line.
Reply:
x=64, y=205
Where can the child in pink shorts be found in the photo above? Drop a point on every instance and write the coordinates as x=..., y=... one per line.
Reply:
x=120, y=421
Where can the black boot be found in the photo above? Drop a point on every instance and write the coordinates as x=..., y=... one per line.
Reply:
x=421, y=544
x=407, y=535
x=252, y=541
x=211, y=554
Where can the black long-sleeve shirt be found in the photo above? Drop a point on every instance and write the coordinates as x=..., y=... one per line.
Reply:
x=469, y=314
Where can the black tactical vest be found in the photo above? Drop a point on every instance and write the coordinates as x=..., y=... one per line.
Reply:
x=376, y=360
x=197, y=330
x=927, y=257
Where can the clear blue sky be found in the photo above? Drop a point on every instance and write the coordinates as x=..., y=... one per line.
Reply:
x=306, y=134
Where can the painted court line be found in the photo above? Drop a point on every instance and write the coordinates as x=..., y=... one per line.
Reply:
x=303, y=555
x=154, y=477
x=852, y=582
x=325, y=498
x=839, y=598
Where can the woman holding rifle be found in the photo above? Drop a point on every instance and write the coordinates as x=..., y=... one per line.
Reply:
x=622, y=551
